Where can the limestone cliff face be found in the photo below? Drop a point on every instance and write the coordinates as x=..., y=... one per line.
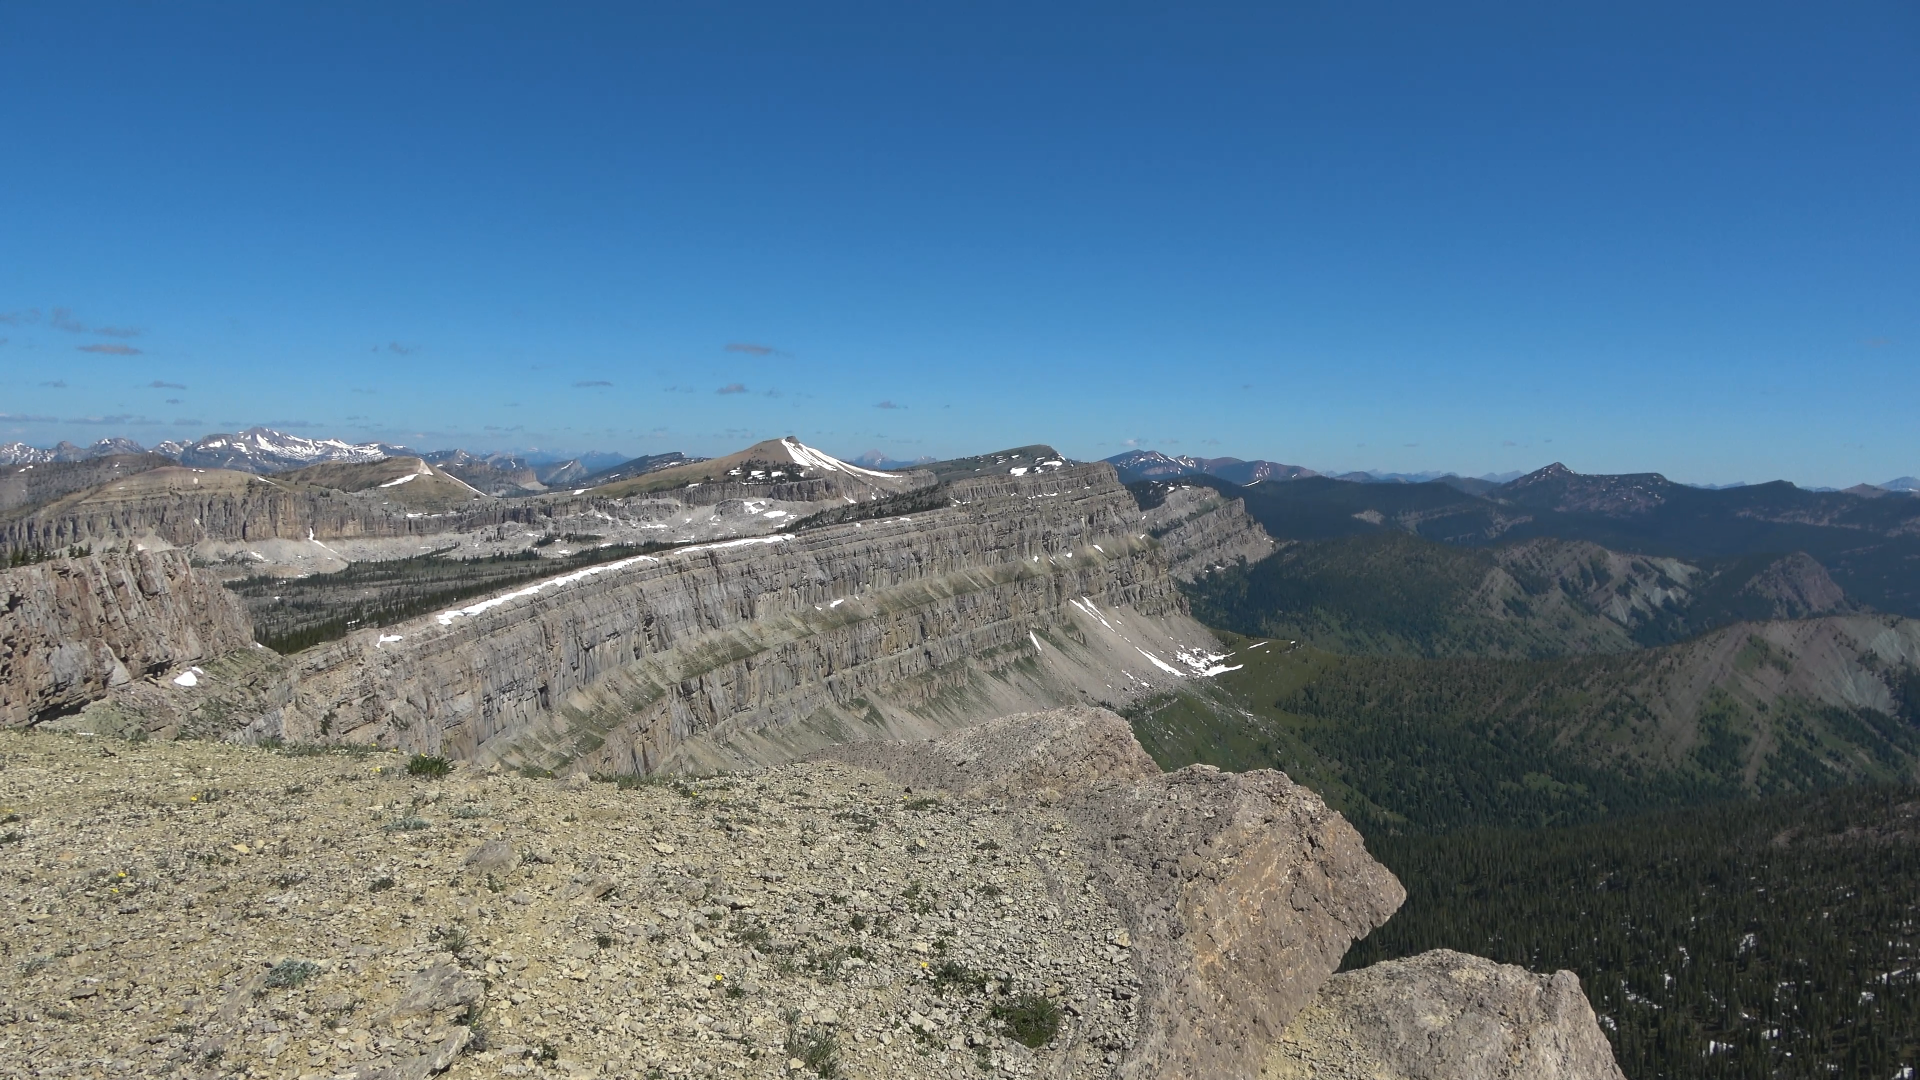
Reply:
x=1445, y=1015
x=1203, y=529
x=72, y=629
x=1022, y=591
x=161, y=505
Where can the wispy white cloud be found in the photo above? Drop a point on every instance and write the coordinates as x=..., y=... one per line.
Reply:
x=110, y=350
x=114, y=420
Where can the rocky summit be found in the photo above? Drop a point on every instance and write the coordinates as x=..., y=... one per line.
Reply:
x=1029, y=897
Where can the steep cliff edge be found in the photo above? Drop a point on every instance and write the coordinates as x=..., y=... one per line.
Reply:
x=1239, y=892
x=72, y=629
x=1021, y=592
x=1202, y=529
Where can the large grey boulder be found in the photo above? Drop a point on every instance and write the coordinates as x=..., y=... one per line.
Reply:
x=1445, y=1015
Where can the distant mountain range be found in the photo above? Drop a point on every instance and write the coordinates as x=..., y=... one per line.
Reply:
x=1138, y=465
x=261, y=450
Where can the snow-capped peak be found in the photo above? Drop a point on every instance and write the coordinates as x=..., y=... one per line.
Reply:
x=262, y=450
x=807, y=457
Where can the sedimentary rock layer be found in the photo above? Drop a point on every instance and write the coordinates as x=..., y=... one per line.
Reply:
x=848, y=628
x=73, y=628
x=1202, y=529
x=185, y=506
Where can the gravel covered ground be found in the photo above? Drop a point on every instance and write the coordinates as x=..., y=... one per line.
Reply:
x=203, y=909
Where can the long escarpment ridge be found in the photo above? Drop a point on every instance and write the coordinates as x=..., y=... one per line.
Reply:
x=747, y=645
x=1012, y=593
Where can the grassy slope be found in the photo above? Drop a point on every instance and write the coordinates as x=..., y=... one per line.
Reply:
x=290, y=614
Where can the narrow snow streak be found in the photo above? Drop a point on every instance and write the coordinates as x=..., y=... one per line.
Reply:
x=1161, y=664
x=446, y=618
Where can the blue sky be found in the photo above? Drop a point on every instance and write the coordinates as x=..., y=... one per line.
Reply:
x=1681, y=238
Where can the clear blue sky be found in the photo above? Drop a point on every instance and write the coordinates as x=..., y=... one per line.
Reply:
x=1678, y=237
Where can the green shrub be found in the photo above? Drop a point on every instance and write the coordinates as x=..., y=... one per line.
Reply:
x=288, y=974
x=429, y=766
x=1031, y=1019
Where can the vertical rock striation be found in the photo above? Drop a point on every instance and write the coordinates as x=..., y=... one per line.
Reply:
x=778, y=644
x=71, y=629
x=1202, y=529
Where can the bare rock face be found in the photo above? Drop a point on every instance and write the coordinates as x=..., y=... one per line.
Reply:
x=761, y=649
x=1445, y=1015
x=1203, y=529
x=1242, y=892
x=73, y=629
x=1798, y=587
x=1239, y=892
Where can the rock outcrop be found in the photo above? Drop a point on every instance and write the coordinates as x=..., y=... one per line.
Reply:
x=1239, y=893
x=72, y=629
x=1798, y=587
x=1041, y=756
x=1445, y=1015
x=1202, y=529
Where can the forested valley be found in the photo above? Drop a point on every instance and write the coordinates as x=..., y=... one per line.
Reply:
x=1625, y=766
